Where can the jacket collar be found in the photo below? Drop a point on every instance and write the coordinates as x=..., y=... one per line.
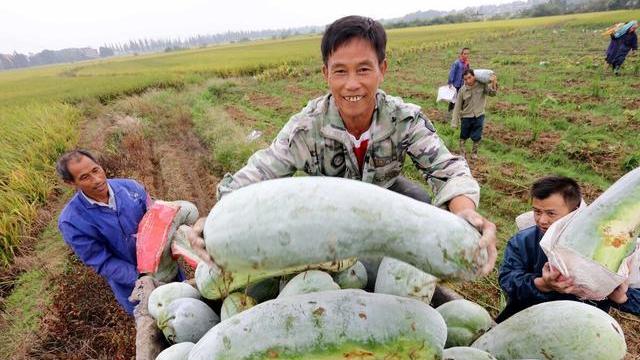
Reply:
x=381, y=127
x=113, y=191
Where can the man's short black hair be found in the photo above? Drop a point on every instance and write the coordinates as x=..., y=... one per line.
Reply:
x=62, y=164
x=468, y=71
x=565, y=186
x=344, y=29
x=463, y=49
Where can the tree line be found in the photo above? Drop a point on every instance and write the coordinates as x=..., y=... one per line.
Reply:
x=518, y=9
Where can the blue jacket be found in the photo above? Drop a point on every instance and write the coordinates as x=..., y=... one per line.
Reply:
x=455, y=74
x=523, y=262
x=104, y=239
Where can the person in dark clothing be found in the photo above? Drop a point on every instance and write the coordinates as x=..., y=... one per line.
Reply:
x=620, y=47
x=526, y=276
x=458, y=67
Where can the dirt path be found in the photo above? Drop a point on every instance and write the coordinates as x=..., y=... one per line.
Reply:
x=85, y=321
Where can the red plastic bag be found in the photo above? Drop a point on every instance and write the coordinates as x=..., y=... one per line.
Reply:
x=153, y=235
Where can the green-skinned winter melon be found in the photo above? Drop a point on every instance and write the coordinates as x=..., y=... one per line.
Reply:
x=273, y=226
x=607, y=229
x=567, y=330
x=328, y=325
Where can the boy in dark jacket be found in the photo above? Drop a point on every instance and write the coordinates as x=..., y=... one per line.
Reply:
x=526, y=276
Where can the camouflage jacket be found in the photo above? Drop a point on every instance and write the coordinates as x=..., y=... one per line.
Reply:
x=315, y=141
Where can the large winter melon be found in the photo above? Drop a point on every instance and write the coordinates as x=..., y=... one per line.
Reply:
x=606, y=230
x=567, y=330
x=272, y=226
x=328, y=325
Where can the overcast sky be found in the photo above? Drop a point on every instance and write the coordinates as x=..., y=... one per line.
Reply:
x=34, y=25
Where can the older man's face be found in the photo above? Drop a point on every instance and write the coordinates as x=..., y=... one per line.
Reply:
x=354, y=74
x=88, y=177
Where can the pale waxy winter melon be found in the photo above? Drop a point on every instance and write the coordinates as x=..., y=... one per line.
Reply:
x=396, y=277
x=186, y=319
x=465, y=320
x=328, y=325
x=163, y=295
x=606, y=231
x=279, y=226
x=567, y=330
x=308, y=282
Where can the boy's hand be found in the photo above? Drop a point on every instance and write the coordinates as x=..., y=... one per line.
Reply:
x=553, y=280
x=619, y=295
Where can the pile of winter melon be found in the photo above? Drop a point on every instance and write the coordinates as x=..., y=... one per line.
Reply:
x=326, y=268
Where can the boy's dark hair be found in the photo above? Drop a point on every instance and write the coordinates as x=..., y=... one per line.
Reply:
x=549, y=185
x=468, y=71
x=62, y=164
x=463, y=49
x=344, y=29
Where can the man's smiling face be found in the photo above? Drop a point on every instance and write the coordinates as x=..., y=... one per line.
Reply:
x=354, y=74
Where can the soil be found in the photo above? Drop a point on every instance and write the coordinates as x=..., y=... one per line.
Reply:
x=539, y=144
x=240, y=116
x=264, y=100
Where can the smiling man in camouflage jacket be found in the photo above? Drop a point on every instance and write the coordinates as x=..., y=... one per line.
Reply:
x=358, y=132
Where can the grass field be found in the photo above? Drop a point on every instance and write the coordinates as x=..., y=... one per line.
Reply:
x=558, y=111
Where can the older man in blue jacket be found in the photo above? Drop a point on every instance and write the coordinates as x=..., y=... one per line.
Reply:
x=100, y=222
x=526, y=275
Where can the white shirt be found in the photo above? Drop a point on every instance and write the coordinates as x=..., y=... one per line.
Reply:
x=112, y=199
x=364, y=136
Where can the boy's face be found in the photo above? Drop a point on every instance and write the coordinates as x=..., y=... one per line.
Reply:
x=549, y=210
x=469, y=79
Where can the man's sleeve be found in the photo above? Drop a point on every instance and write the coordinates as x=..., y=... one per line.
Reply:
x=632, y=305
x=448, y=175
x=514, y=278
x=97, y=256
x=457, y=108
x=276, y=161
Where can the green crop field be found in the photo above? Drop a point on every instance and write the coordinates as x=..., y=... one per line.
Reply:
x=109, y=79
x=558, y=110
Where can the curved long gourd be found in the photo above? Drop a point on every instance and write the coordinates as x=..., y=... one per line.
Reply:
x=328, y=325
x=276, y=225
